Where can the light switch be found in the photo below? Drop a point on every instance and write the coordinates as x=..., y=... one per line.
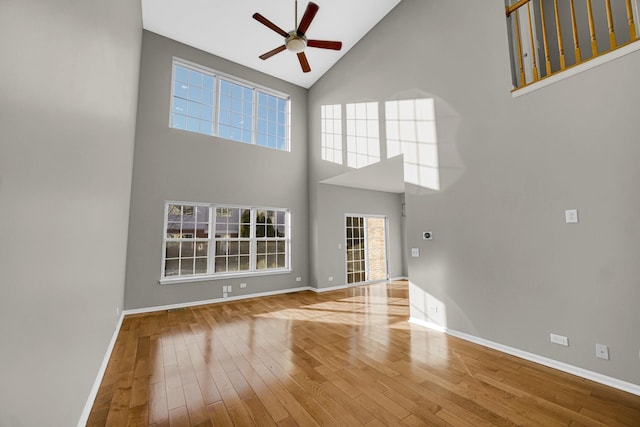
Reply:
x=415, y=252
x=571, y=216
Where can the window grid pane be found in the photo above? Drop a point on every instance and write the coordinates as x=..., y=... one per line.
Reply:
x=272, y=121
x=363, y=139
x=244, y=240
x=236, y=111
x=186, y=237
x=240, y=113
x=192, y=100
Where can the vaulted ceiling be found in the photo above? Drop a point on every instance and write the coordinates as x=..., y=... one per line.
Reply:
x=226, y=28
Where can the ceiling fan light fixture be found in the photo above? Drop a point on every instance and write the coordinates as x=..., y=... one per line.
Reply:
x=295, y=43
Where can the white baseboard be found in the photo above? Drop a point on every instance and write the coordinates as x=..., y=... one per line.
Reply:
x=393, y=279
x=570, y=369
x=215, y=300
x=84, y=417
x=332, y=288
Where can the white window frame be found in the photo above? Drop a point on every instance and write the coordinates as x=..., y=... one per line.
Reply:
x=218, y=76
x=211, y=241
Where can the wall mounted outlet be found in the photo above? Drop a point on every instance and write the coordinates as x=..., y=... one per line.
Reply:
x=298, y=279
x=571, y=216
x=243, y=285
x=224, y=295
x=559, y=339
x=331, y=278
x=602, y=351
x=117, y=311
x=415, y=252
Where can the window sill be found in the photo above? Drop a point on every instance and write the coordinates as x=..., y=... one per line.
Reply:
x=576, y=69
x=210, y=277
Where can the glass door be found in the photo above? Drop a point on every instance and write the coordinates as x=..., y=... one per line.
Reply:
x=366, y=248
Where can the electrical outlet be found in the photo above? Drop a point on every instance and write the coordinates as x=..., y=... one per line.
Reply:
x=224, y=295
x=117, y=311
x=243, y=285
x=298, y=279
x=602, y=351
x=331, y=278
x=415, y=252
x=229, y=289
x=571, y=216
x=559, y=339
x=434, y=308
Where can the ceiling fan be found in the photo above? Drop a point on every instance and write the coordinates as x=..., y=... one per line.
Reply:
x=296, y=40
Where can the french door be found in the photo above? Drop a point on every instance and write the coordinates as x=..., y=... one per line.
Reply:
x=366, y=244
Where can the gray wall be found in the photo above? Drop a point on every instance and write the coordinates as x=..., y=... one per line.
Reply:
x=68, y=89
x=503, y=264
x=334, y=203
x=329, y=203
x=170, y=164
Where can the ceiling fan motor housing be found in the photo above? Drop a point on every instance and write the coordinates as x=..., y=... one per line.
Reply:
x=295, y=42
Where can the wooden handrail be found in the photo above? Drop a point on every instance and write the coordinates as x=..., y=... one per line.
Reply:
x=525, y=38
x=516, y=6
x=574, y=30
x=559, y=34
x=533, y=49
x=612, y=32
x=592, y=31
x=632, y=25
x=547, y=56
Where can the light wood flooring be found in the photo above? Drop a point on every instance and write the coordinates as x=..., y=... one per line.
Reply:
x=339, y=358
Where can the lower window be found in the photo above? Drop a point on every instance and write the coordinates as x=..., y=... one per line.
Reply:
x=209, y=240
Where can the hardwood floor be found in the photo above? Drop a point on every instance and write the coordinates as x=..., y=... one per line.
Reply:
x=338, y=358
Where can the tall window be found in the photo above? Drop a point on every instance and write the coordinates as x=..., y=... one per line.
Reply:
x=331, y=123
x=245, y=240
x=411, y=130
x=205, y=102
x=363, y=134
x=186, y=240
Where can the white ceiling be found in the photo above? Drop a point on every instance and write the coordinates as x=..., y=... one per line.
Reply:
x=226, y=28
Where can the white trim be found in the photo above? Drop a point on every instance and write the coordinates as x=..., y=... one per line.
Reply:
x=214, y=301
x=332, y=288
x=394, y=279
x=561, y=366
x=220, y=276
x=84, y=417
x=576, y=69
x=203, y=68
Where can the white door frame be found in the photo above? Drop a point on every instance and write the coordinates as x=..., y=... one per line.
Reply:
x=366, y=241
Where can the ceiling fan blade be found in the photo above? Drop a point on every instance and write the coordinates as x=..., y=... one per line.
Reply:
x=303, y=62
x=325, y=44
x=269, y=24
x=308, y=16
x=272, y=52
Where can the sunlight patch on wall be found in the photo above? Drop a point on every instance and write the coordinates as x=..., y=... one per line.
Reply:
x=331, y=131
x=424, y=308
x=363, y=134
x=411, y=131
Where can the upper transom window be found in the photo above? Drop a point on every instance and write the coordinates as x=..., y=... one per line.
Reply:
x=207, y=102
